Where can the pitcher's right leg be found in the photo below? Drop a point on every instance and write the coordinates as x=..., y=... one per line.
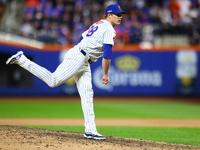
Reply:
x=63, y=72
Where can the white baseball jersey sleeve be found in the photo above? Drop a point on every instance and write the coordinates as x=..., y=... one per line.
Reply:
x=101, y=32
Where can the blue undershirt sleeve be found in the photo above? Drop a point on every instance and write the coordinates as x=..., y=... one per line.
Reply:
x=80, y=38
x=107, y=51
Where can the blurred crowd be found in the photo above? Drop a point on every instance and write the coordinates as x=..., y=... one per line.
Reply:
x=63, y=21
x=2, y=9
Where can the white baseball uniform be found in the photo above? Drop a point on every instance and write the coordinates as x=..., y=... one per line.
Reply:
x=76, y=65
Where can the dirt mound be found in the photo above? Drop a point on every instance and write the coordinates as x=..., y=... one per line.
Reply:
x=25, y=138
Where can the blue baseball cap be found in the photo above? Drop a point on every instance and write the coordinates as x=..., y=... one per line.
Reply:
x=114, y=9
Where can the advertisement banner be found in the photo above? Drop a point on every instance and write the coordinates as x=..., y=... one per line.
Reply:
x=186, y=72
x=137, y=73
x=132, y=73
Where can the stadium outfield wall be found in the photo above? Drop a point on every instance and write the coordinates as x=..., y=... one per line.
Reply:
x=155, y=71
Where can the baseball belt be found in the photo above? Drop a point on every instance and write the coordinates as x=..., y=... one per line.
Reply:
x=84, y=53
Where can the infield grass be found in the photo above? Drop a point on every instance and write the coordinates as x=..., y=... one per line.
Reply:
x=62, y=109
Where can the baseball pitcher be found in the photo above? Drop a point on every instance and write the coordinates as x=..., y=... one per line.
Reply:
x=96, y=42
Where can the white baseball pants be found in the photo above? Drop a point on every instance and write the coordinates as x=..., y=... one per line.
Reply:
x=75, y=65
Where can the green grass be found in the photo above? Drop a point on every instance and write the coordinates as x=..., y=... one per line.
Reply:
x=40, y=110
x=188, y=136
x=61, y=109
x=102, y=110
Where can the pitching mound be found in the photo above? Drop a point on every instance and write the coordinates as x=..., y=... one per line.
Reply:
x=25, y=138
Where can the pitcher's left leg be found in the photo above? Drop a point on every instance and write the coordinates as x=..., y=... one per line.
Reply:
x=84, y=85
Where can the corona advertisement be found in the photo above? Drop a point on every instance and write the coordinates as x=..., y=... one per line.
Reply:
x=128, y=75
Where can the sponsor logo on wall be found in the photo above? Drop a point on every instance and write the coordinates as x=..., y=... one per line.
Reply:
x=186, y=71
x=127, y=71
